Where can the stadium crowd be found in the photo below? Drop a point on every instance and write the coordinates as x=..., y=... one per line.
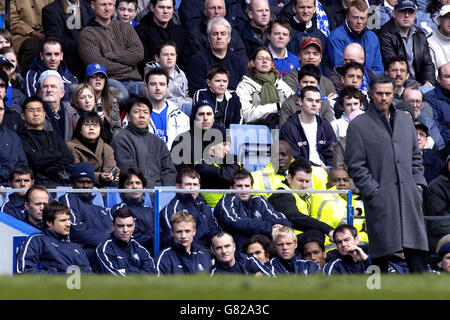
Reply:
x=137, y=94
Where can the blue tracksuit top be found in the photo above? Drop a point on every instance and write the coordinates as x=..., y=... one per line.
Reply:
x=296, y=265
x=49, y=252
x=175, y=260
x=345, y=265
x=245, y=264
x=122, y=258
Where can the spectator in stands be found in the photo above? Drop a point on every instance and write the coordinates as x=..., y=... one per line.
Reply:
x=126, y=11
x=52, y=251
x=168, y=121
x=144, y=230
x=437, y=203
x=354, y=52
x=278, y=36
x=310, y=136
x=157, y=26
x=262, y=91
x=444, y=257
x=254, y=34
x=352, y=259
x=297, y=206
x=312, y=247
x=5, y=38
x=166, y=54
x=244, y=215
x=121, y=254
x=219, y=37
x=47, y=153
x=424, y=114
x=194, y=204
x=398, y=69
x=349, y=100
x=87, y=145
x=136, y=147
x=50, y=58
x=11, y=117
x=185, y=256
x=311, y=53
x=354, y=29
x=396, y=222
x=309, y=75
x=304, y=24
x=227, y=103
x=36, y=198
x=439, y=41
x=198, y=38
x=11, y=150
x=228, y=260
x=15, y=90
x=399, y=36
x=90, y=223
x=260, y=247
x=287, y=260
x=20, y=177
x=432, y=163
x=439, y=100
x=106, y=99
x=63, y=20
x=82, y=98
x=59, y=114
x=26, y=29
x=115, y=45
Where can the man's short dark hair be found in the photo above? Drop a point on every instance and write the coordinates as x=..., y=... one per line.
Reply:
x=187, y=172
x=395, y=59
x=380, y=79
x=348, y=227
x=309, y=89
x=51, y=41
x=123, y=213
x=154, y=2
x=160, y=45
x=19, y=170
x=156, y=71
x=278, y=21
x=304, y=242
x=217, y=69
x=352, y=65
x=33, y=188
x=239, y=175
x=127, y=1
x=31, y=99
x=309, y=70
x=52, y=209
x=349, y=92
x=126, y=174
x=137, y=100
x=299, y=164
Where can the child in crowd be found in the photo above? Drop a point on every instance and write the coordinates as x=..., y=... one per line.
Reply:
x=126, y=11
x=349, y=100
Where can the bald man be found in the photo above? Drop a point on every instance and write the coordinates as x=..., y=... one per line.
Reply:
x=354, y=52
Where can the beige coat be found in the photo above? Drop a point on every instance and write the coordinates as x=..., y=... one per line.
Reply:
x=26, y=17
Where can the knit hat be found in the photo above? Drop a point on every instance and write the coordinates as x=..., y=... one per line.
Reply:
x=49, y=73
x=195, y=108
x=445, y=248
x=406, y=106
x=81, y=170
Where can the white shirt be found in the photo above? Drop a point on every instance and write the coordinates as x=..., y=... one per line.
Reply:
x=311, y=135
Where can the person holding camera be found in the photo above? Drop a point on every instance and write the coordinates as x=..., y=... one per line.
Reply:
x=87, y=145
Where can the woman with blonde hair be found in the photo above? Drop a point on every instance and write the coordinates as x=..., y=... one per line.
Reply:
x=262, y=91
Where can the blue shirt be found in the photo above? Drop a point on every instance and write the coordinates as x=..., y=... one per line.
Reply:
x=160, y=122
x=286, y=64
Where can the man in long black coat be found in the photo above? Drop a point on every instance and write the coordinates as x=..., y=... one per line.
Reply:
x=384, y=162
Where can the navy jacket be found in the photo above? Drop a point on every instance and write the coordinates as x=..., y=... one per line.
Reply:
x=292, y=132
x=144, y=231
x=296, y=265
x=50, y=252
x=441, y=110
x=232, y=112
x=204, y=59
x=11, y=153
x=175, y=260
x=245, y=264
x=122, y=258
x=90, y=224
x=250, y=41
x=14, y=207
x=245, y=219
x=345, y=265
x=206, y=223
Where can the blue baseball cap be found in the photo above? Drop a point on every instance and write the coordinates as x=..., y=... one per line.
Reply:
x=4, y=60
x=94, y=68
x=405, y=4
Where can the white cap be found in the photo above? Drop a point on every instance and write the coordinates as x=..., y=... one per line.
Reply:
x=48, y=73
x=444, y=10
